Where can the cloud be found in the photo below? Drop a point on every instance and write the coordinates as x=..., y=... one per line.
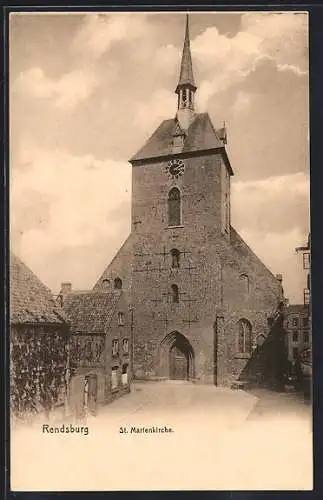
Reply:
x=99, y=32
x=76, y=197
x=274, y=205
x=66, y=92
x=161, y=105
x=119, y=80
x=277, y=251
x=291, y=67
x=226, y=61
x=242, y=102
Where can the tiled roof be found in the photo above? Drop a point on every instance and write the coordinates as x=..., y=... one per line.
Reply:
x=201, y=136
x=90, y=313
x=30, y=300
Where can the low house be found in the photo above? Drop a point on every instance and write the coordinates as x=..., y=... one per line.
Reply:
x=38, y=344
x=100, y=349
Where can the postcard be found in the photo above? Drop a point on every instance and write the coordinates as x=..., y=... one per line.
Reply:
x=160, y=285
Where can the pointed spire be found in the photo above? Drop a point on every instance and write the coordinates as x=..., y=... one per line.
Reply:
x=186, y=74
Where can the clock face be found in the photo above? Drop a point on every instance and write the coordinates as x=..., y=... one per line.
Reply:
x=175, y=168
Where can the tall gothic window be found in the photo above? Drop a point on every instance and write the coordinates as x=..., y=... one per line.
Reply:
x=175, y=294
x=244, y=336
x=175, y=257
x=245, y=283
x=174, y=207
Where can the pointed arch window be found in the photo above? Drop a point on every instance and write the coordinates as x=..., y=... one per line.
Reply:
x=175, y=257
x=175, y=294
x=106, y=283
x=174, y=207
x=244, y=336
x=244, y=278
x=118, y=283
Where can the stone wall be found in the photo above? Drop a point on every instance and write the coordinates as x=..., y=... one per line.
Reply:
x=212, y=260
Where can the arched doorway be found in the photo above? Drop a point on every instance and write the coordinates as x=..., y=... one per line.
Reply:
x=176, y=357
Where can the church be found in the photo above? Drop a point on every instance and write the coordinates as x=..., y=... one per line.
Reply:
x=200, y=298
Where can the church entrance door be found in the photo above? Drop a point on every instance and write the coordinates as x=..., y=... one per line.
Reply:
x=176, y=357
x=179, y=363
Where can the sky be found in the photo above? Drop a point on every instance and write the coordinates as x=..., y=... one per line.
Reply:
x=87, y=90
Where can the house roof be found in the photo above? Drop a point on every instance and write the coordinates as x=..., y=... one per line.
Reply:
x=201, y=136
x=90, y=313
x=31, y=302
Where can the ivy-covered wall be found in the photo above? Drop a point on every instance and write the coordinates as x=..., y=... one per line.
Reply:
x=39, y=355
x=87, y=351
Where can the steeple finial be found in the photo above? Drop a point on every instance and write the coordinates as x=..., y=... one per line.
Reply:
x=186, y=76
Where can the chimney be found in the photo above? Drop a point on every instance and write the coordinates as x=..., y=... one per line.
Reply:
x=66, y=288
x=279, y=277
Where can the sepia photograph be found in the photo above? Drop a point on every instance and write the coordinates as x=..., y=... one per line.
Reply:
x=160, y=251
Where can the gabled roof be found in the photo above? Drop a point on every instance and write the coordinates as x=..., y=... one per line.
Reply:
x=31, y=302
x=90, y=313
x=201, y=136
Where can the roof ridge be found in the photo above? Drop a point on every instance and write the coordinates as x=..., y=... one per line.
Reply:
x=250, y=250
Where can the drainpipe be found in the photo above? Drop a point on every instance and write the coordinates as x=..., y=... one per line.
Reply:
x=218, y=321
x=132, y=343
x=67, y=380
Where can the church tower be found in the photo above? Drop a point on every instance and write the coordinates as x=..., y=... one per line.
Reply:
x=198, y=294
x=180, y=209
x=186, y=87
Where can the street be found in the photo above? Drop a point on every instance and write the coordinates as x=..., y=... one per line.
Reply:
x=219, y=439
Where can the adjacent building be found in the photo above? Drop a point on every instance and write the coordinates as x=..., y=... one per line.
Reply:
x=306, y=355
x=100, y=350
x=38, y=345
x=201, y=298
x=297, y=326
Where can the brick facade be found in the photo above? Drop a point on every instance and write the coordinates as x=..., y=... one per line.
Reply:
x=98, y=320
x=220, y=280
